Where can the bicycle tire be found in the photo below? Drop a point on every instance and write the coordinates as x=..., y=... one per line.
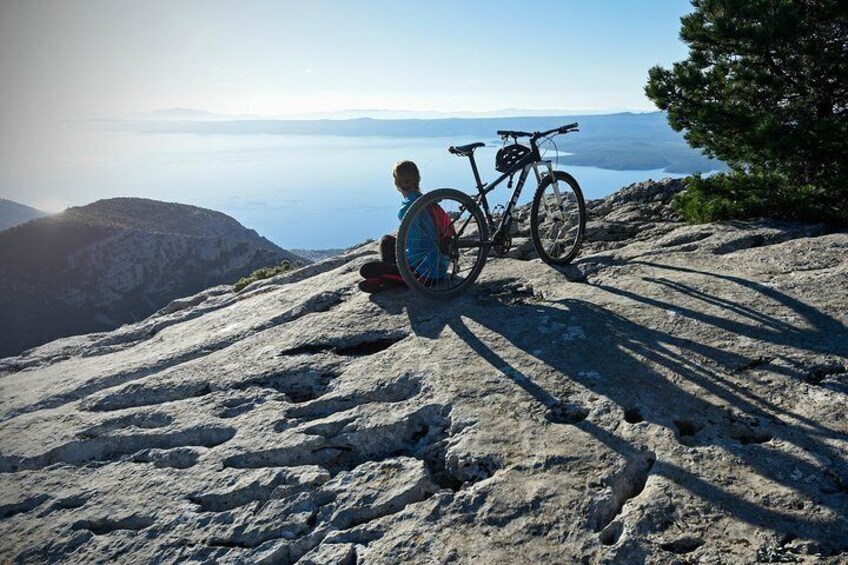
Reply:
x=544, y=254
x=419, y=207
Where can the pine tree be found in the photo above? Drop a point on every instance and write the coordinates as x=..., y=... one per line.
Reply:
x=765, y=89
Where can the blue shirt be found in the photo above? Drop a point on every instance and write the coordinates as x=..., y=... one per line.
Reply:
x=422, y=244
x=406, y=203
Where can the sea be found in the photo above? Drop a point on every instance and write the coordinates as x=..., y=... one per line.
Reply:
x=306, y=192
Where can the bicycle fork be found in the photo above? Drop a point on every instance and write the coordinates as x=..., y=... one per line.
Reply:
x=554, y=184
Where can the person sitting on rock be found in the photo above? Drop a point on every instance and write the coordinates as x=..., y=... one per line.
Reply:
x=384, y=273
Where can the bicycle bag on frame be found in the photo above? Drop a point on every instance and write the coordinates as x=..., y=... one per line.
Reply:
x=509, y=155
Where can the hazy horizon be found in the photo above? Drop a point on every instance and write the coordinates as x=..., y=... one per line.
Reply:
x=383, y=113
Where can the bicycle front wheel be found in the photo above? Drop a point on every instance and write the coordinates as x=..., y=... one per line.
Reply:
x=442, y=243
x=558, y=219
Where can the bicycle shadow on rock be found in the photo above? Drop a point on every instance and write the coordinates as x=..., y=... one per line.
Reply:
x=636, y=366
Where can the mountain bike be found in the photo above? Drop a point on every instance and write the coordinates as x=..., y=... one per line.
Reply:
x=444, y=237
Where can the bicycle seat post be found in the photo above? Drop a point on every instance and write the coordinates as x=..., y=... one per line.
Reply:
x=475, y=171
x=468, y=151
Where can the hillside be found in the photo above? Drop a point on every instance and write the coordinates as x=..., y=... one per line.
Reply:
x=95, y=267
x=13, y=213
x=677, y=395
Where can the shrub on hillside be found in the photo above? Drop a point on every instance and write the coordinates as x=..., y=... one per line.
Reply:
x=264, y=273
x=735, y=195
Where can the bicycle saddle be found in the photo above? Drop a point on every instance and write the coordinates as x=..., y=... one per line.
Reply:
x=465, y=150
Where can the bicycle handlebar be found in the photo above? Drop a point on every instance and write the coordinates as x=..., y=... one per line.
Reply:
x=510, y=133
x=536, y=135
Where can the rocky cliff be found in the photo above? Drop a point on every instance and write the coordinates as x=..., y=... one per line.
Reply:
x=115, y=261
x=676, y=395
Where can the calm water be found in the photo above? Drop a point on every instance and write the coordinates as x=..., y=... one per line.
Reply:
x=302, y=192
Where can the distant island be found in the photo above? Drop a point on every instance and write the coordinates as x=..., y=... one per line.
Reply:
x=623, y=141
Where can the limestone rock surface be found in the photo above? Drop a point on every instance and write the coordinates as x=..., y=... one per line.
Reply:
x=677, y=398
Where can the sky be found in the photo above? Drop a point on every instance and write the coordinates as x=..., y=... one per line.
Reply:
x=107, y=57
x=69, y=60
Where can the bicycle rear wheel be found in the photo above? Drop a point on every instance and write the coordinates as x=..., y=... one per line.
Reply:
x=558, y=219
x=442, y=243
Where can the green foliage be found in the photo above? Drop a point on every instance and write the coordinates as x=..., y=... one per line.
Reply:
x=264, y=273
x=739, y=195
x=765, y=89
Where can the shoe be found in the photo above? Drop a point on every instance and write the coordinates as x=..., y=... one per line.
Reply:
x=377, y=269
x=371, y=285
x=393, y=280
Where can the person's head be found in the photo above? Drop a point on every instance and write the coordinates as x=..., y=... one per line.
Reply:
x=406, y=177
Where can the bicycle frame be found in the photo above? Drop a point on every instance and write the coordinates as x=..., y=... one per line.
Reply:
x=531, y=160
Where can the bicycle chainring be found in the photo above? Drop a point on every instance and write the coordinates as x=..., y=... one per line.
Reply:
x=502, y=243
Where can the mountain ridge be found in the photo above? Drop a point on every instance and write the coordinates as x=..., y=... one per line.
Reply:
x=114, y=261
x=14, y=213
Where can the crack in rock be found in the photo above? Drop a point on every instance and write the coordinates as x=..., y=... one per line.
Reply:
x=137, y=395
x=67, y=503
x=102, y=526
x=359, y=346
x=624, y=485
x=108, y=448
x=297, y=386
x=401, y=389
x=281, y=482
x=234, y=407
x=682, y=545
x=353, y=447
x=177, y=458
x=26, y=505
x=684, y=236
x=140, y=420
x=612, y=533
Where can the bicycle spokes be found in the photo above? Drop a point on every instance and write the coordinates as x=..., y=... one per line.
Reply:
x=443, y=243
x=559, y=219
